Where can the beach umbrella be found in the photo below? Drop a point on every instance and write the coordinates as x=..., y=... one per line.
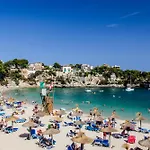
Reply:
x=126, y=146
x=12, y=119
x=138, y=114
x=83, y=139
x=29, y=124
x=11, y=100
x=51, y=132
x=40, y=113
x=145, y=143
x=109, y=130
x=99, y=119
x=58, y=119
x=140, y=119
x=80, y=133
x=77, y=114
x=127, y=124
x=79, y=122
x=61, y=112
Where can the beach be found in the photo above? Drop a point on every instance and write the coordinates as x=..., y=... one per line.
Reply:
x=14, y=142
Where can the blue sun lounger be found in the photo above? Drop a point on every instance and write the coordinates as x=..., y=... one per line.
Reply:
x=2, y=113
x=20, y=120
x=143, y=130
x=10, y=130
x=105, y=143
x=33, y=134
x=98, y=142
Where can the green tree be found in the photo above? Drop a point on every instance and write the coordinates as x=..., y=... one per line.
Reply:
x=78, y=66
x=57, y=65
x=2, y=71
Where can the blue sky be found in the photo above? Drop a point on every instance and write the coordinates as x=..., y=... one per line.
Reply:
x=77, y=31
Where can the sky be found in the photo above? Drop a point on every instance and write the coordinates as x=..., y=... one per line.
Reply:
x=115, y=32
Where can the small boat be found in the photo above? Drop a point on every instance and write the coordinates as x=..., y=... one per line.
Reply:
x=88, y=90
x=129, y=89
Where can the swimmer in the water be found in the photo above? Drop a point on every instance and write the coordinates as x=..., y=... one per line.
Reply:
x=122, y=109
x=88, y=102
x=104, y=105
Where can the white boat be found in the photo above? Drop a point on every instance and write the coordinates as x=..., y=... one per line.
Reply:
x=88, y=90
x=129, y=89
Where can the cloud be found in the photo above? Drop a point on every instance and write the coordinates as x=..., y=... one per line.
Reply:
x=112, y=25
x=129, y=15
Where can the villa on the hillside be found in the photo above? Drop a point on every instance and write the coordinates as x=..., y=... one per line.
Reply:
x=115, y=66
x=66, y=69
x=36, y=66
x=86, y=67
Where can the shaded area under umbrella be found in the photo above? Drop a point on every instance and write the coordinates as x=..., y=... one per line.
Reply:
x=40, y=113
x=82, y=139
x=145, y=143
x=51, y=132
x=109, y=130
x=12, y=119
x=30, y=124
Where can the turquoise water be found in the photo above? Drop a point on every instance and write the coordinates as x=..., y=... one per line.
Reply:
x=107, y=100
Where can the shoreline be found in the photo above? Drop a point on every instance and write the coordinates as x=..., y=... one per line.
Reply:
x=6, y=89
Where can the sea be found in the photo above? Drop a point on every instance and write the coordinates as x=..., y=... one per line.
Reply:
x=126, y=104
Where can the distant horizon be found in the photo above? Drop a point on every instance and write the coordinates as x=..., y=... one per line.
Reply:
x=85, y=32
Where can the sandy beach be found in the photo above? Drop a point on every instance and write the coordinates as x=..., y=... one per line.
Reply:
x=14, y=142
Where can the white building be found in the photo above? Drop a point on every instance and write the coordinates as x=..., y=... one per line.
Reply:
x=86, y=67
x=36, y=66
x=66, y=69
x=115, y=66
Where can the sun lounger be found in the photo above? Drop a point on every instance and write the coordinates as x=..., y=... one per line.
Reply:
x=69, y=148
x=68, y=124
x=143, y=130
x=33, y=134
x=10, y=130
x=105, y=143
x=92, y=128
x=117, y=136
x=71, y=134
x=42, y=125
x=20, y=120
x=98, y=142
x=2, y=113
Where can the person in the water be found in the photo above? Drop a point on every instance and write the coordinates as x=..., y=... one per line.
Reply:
x=122, y=109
